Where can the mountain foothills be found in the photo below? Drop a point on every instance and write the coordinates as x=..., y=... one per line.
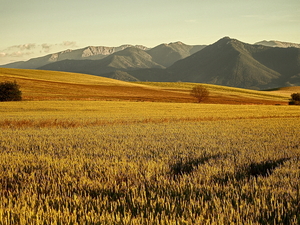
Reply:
x=227, y=62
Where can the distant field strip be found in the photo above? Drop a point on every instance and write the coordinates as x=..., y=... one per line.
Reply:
x=94, y=113
x=80, y=123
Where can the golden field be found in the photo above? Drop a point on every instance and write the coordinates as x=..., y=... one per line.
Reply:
x=50, y=85
x=79, y=160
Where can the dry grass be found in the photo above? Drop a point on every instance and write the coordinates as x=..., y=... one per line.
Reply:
x=50, y=85
x=185, y=172
x=287, y=91
x=95, y=113
x=124, y=162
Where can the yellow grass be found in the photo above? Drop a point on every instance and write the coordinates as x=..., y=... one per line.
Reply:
x=127, y=162
x=63, y=77
x=219, y=91
x=51, y=85
x=92, y=162
x=287, y=90
x=100, y=112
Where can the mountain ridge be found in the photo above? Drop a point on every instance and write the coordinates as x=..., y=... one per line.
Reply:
x=227, y=62
x=279, y=44
x=230, y=62
x=233, y=63
x=91, y=53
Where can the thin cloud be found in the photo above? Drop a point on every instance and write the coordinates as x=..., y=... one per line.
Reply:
x=29, y=50
x=46, y=47
x=69, y=43
x=19, y=54
x=16, y=54
x=22, y=47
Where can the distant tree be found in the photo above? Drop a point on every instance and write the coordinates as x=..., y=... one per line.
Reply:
x=200, y=92
x=295, y=99
x=10, y=91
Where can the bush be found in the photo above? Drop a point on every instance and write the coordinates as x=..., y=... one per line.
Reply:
x=200, y=92
x=295, y=99
x=10, y=91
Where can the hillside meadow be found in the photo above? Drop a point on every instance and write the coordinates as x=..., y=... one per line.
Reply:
x=37, y=85
x=141, y=161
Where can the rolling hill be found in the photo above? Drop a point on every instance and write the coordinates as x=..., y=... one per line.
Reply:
x=50, y=85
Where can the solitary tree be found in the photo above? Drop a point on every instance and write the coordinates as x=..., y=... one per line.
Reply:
x=200, y=92
x=295, y=99
x=10, y=91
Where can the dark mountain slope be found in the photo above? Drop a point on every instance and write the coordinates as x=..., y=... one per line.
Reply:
x=131, y=58
x=285, y=61
x=167, y=54
x=230, y=62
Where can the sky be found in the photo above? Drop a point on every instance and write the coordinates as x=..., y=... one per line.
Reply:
x=34, y=28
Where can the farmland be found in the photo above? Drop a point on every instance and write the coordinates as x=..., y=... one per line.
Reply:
x=37, y=85
x=85, y=161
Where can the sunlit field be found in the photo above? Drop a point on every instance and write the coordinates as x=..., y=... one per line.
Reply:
x=113, y=162
x=80, y=113
x=37, y=85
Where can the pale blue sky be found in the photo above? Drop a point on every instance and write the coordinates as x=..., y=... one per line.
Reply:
x=32, y=28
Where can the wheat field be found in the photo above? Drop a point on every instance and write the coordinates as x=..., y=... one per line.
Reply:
x=114, y=162
x=81, y=149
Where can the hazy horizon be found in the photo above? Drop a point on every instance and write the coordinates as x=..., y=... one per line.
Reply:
x=35, y=28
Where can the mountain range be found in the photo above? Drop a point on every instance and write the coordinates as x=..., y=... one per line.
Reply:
x=280, y=44
x=227, y=62
x=164, y=55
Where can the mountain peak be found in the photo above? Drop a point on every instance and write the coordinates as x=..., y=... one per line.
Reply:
x=226, y=41
x=176, y=43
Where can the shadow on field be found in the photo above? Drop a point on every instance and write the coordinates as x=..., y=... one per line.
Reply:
x=186, y=166
x=252, y=170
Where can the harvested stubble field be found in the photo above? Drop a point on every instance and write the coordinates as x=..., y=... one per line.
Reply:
x=92, y=162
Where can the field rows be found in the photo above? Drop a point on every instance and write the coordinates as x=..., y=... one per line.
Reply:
x=238, y=165
x=97, y=112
